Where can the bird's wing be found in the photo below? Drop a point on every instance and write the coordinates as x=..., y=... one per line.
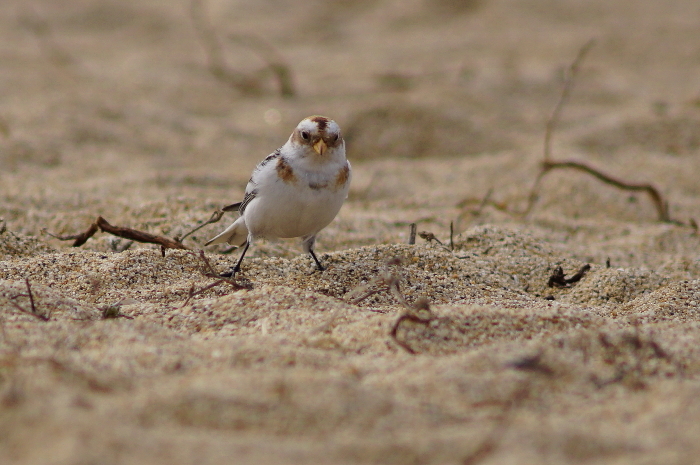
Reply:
x=250, y=190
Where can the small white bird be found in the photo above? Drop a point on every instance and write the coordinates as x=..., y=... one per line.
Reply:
x=294, y=192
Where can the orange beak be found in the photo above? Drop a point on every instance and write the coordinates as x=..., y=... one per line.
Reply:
x=320, y=147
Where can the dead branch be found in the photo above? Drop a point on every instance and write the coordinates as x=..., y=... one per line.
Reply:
x=412, y=234
x=395, y=329
x=430, y=237
x=548, y=165
x=79, y=239
x=119, y=231
x=251, y=85
x=138, y=236
x=558, y=278
x=419, y=312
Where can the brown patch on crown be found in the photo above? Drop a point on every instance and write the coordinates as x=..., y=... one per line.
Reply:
x=285, y=171
x=342, y=177
x=322, y=122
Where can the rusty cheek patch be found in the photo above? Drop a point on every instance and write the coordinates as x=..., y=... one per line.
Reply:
x=342, y=177
x=285, y=172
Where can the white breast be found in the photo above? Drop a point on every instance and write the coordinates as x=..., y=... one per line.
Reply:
x=296, y=207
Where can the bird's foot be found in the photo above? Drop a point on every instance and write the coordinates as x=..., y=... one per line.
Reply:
x=230, y=273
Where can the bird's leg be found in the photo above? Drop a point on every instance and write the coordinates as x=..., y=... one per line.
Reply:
x=318, y=264
x=232, y=272
x=308, y=243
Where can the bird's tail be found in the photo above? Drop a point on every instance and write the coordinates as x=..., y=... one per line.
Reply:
x=236, y=234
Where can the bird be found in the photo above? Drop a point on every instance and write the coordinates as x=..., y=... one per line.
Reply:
x=295, y=192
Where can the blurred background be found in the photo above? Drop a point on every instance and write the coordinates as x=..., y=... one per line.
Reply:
x=153, y=113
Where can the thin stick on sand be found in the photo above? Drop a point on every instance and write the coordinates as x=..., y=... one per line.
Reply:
x=548, y=165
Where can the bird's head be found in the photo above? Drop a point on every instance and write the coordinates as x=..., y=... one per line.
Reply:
x=318, y=137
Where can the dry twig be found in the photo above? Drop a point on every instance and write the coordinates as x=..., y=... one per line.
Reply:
x=209, y=272
x=275, y=64
x=214, y=218
x=119, y=231
x=33, y=312
x=79, y=239
x=419, y=312
x=412, y=234
x=549, y=165
x=428, y=236
x=558, y=279
x=138, y=236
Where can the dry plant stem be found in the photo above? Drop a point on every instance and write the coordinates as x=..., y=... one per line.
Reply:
x=428, y=236
x=554, y=119
x=138, y=236
x=558, y=279
x=484, y=202
x=395, y=329
x=566, y=92
x=192, y=293
x=504, y=419
x=273, y=59
x=412, y=234
x=220, y=70
x=33, y=312
x=214, y=51
x=548, y=165
x=126, y=233
x=368, y=293
x=659, y=202
x=214, y=218
x=209, y=272
x=79, y=239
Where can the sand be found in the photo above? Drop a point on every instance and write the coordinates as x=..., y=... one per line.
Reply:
x=459, y=353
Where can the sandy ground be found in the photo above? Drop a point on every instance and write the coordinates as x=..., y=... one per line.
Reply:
x=109, y=108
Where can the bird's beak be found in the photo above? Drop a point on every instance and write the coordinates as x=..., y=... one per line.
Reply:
x=320, y=147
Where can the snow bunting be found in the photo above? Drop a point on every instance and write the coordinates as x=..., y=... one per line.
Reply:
x=294, y=192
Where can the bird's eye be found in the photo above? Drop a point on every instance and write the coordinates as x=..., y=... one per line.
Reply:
x=304, y=135
x=335, y=138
